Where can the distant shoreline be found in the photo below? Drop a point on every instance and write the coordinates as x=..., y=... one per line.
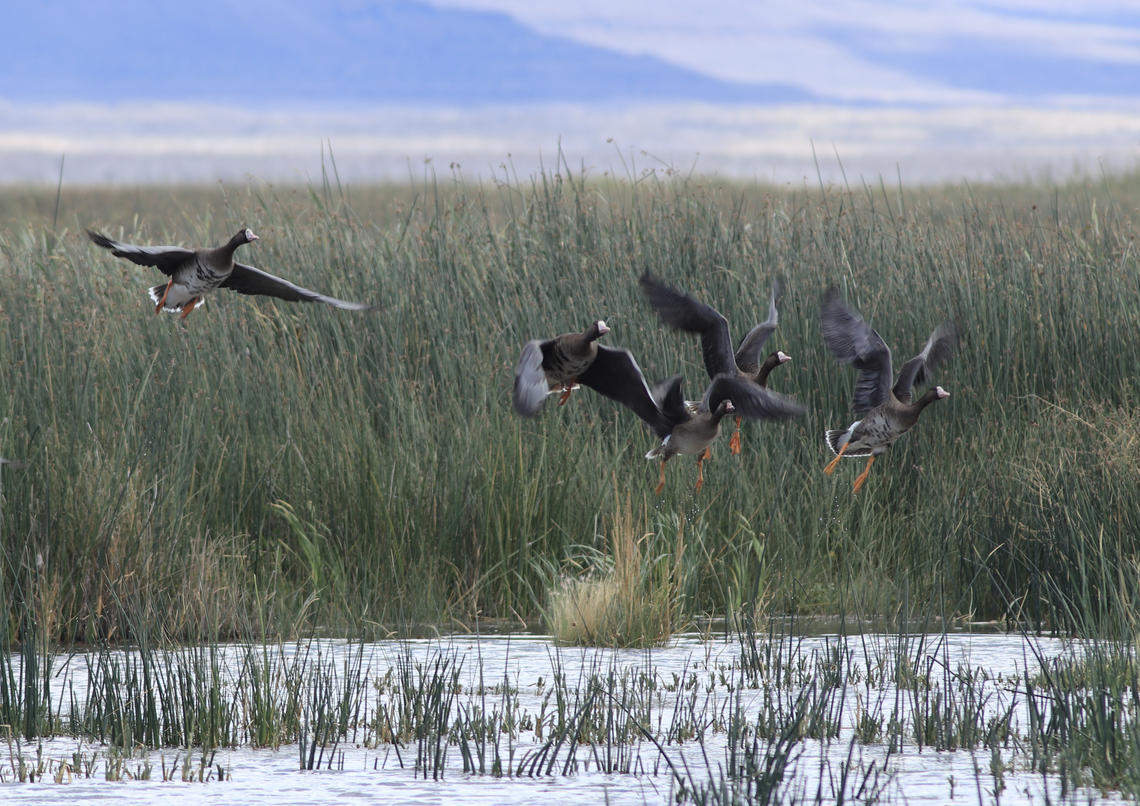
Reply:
x=128, y=144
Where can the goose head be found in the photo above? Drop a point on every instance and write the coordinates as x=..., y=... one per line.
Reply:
x=243, y=236
x=725, y=407
x=931, y=395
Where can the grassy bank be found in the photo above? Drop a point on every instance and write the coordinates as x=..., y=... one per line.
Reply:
x=270, y=467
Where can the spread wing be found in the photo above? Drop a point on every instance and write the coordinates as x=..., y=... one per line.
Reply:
x=852, y=341
x=934, y=353
x=248, y=280
x=669, y=398
x=751, y=401
x=166, y=259
x=693, y=316
x=616, y=375
x=531, y=386
x=750, y=347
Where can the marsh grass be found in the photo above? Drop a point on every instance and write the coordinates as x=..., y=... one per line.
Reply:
x=633, y=599
x=1085, y=719
x=266, y=469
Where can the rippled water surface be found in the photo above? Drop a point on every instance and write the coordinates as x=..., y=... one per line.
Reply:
x=699, y=682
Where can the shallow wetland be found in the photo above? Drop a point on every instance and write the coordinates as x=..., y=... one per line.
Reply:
x=738, y=718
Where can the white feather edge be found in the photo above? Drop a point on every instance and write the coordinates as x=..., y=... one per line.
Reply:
x=653, y=454
x=154, y=295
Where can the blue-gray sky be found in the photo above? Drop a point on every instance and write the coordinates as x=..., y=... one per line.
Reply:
x=466, y=52
x=164, y=90
x=885, y=50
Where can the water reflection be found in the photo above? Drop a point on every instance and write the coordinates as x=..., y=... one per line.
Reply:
x=916, y=718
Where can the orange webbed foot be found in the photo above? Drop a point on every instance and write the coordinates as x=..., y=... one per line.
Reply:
x=161, y=302
x=566, y=390
x=862, y=477
x=734, y=443
x=831, y=465
x=189, y=307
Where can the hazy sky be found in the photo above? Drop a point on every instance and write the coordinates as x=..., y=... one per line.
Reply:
x=922, y=91
x=759, y=40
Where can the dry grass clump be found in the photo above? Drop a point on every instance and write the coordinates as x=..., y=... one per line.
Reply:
x=633, y=601
x=1090, y=444
x=582, y=610
x=1119, y=429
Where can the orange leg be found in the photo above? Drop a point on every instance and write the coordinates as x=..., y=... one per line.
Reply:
x=189, y=307
x=734, y=443
x=661, y=484
x=831, y=465
x=701, y=468
x=566, y=390
x=862, y=477
x=161, y=302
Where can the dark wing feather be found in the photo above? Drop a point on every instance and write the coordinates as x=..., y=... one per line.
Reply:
x=167, y=259
x=693, y=316
x=852, y=341
x=616, y=375
x=751, y=401
x=669, y=398
x=934, y=353
x=248, y=280
x=531, y=386
x=750, y=347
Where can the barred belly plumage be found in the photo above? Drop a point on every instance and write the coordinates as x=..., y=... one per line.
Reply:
x=202, y=280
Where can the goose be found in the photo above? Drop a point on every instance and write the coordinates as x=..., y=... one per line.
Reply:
x=563, y=362
x=887, y=412
x=683, y=312
x=692, y=434
x=194, y=273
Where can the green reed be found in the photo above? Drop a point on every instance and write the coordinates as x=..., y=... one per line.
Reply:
x=780, y=703
x=265, y=467
x=1085, y=719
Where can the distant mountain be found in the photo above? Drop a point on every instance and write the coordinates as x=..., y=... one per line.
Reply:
x=254, y=52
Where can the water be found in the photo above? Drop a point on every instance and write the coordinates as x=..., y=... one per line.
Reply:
x=686, y=695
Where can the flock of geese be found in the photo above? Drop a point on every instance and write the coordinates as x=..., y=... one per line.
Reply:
x=738, y=380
